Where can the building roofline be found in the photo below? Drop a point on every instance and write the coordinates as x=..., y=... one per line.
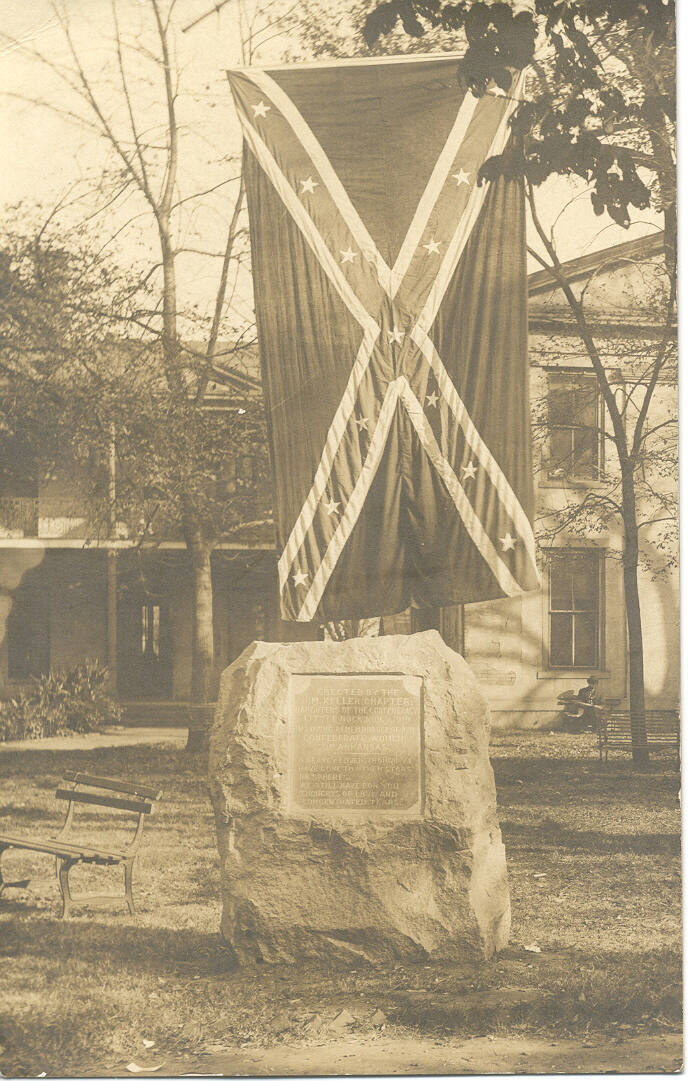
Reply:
x=82, y=545
x=644, y=247
x=611, y=327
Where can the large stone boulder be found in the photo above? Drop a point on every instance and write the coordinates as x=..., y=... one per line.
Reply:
x=413, y=866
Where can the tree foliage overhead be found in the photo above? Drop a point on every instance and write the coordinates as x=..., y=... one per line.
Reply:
x=604, y=106
x=82, y=375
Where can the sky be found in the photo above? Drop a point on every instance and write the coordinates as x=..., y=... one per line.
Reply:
x=46, y=154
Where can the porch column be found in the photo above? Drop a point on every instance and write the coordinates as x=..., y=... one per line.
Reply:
x=111, y=617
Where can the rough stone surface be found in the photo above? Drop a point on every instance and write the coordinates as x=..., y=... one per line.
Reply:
x=353, y=887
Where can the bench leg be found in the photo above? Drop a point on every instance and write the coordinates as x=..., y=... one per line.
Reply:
x=128, y=878
x=21, y=884
x=63, y=867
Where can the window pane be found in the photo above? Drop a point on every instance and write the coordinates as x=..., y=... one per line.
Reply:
x=156, y=629
x=584, y=453
x=28, y=641
x=584, y=572
x=561, y=640
x=573, y=407
x=560, y=589
x=560, y=452
x=560, y=399
x=585, y=644
x=585, y=402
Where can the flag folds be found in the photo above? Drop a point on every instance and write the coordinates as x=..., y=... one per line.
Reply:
x=391, y=303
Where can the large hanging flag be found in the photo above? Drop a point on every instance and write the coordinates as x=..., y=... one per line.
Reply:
x=390, y=293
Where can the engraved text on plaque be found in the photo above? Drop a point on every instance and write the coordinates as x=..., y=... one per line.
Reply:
x=356, y=743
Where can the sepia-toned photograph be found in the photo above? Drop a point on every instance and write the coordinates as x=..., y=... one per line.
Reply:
x=339, y=539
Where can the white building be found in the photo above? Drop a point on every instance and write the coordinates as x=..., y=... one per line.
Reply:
x=62, y=600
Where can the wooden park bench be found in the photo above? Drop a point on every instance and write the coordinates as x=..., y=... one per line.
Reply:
x=661, y=725
x=95, y=792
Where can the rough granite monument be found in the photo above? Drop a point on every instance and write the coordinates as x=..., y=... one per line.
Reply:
x=352, y=786
x=355, y=803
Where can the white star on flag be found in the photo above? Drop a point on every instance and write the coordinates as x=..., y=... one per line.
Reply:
x=385, y=291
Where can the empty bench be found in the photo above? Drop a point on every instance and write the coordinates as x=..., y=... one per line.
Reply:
x=661, y=725
x=108, y=792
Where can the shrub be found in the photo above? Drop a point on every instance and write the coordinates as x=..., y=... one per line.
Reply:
x=58, y=703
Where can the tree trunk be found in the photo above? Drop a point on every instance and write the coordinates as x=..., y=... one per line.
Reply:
x=202, y=646
x=636, y=663
x=448, y=620
x=452, y=626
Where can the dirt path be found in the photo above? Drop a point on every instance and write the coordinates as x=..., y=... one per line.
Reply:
x=481, y=1055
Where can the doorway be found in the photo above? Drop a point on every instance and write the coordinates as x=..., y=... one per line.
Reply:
x=145, y=649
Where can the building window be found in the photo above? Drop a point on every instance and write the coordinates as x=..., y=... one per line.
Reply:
x=574, y=411
x=28, y=637
x=150, y=630
x=233, y=473
x=575, y=609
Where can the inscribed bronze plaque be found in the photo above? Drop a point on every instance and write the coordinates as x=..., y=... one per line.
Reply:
x=356, y=744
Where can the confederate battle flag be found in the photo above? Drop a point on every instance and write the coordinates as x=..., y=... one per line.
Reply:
x=391, y=303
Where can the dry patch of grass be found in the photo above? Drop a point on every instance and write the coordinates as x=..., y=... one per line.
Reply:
x=594, y=859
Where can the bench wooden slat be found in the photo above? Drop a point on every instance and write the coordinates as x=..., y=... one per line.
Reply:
x=652, y=733
x=649, y=718
x=656, y=730
x=654, y=741
x=61, y=848
x=662, y=729
x=136, y=805
x=113, y=785
x=658, y=727
x=69, y=853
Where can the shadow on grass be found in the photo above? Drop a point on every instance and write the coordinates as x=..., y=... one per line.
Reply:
x=125, y=946
x=28, y=814
x=571, y=990
x=557, y=780
x=553, y=833
x=574, y=991
x=161, y=760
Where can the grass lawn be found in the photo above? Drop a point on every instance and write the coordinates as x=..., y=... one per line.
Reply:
x=594, y=860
